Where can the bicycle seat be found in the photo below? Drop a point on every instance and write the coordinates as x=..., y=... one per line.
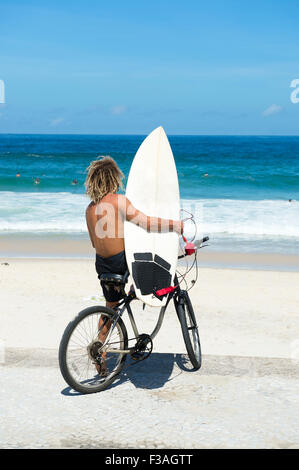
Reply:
x=115, y=278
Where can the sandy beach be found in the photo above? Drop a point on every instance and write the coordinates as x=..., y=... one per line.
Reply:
x=240, y=311
x=248, y=321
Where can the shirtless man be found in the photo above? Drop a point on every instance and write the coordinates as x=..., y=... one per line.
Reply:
x=105, y=216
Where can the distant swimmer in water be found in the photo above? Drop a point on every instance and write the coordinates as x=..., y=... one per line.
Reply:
x=75, y=181
x=36, y=180
x=18, y=175
x=206, y=174
x=290, y=200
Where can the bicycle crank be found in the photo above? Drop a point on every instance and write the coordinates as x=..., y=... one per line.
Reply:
x=142, y=348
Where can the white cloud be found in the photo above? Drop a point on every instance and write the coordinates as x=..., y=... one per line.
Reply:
x=118, y=109
x=56, y=121
x=273, y=109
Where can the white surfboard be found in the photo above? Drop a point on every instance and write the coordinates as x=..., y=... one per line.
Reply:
x=152, y=188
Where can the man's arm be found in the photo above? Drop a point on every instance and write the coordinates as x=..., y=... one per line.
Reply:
x=87, y=216
x=151, y=224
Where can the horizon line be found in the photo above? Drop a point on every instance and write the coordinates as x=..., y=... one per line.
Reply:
x=141, y=135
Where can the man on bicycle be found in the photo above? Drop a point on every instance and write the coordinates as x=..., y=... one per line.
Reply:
x=105, y=216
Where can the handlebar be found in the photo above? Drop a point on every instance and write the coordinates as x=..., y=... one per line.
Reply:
x=200, y=242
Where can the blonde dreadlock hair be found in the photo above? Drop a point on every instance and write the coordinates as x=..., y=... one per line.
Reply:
x=104, y=176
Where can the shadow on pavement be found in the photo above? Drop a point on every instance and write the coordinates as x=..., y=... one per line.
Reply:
x=151, y=373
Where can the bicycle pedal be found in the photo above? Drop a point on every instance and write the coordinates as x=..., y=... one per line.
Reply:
x=136, y=356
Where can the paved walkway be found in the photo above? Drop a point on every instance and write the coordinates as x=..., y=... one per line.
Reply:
x=232, y=402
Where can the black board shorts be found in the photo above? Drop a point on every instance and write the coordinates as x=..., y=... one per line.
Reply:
x=116, y=264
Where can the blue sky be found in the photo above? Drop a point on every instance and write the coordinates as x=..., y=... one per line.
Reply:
x=195, y=67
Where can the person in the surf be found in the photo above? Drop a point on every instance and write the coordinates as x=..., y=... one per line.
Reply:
x=105, y=216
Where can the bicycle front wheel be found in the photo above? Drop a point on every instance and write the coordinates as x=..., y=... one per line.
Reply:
x=189, y=329
x=91, y=350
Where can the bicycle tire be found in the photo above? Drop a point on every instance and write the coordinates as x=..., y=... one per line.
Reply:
x=63, y=350
x=190, y=330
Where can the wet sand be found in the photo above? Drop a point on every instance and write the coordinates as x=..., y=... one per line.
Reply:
x=79, y=247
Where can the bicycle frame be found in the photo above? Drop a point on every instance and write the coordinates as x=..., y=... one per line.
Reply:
x=178, y=296
x=102, y=339
x=125, y=305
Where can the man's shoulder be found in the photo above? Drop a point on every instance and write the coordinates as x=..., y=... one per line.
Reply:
x=114, y=198
x=90, y=207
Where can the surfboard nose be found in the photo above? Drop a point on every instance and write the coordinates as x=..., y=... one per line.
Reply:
x=157, y=133
x=159, y=130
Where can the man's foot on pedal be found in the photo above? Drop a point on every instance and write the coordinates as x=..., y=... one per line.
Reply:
x=136, y=356
x=101, y=369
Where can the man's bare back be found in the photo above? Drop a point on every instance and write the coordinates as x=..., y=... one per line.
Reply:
x=105, y=222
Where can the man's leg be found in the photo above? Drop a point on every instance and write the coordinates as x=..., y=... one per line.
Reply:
x=111, y=304
x=104, y=328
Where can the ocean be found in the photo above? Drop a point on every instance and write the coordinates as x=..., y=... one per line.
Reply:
x=243, y=191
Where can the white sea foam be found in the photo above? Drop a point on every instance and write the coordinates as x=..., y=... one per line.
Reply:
x=245, y=217
x=65, y=212
x=42, y=212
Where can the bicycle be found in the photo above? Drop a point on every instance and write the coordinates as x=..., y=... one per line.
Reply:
x=98, y=334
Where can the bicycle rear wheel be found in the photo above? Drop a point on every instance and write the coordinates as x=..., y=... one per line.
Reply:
x=83, y=362
x=189, y=329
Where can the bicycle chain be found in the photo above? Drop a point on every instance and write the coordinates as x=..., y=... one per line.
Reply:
x=136, y=361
